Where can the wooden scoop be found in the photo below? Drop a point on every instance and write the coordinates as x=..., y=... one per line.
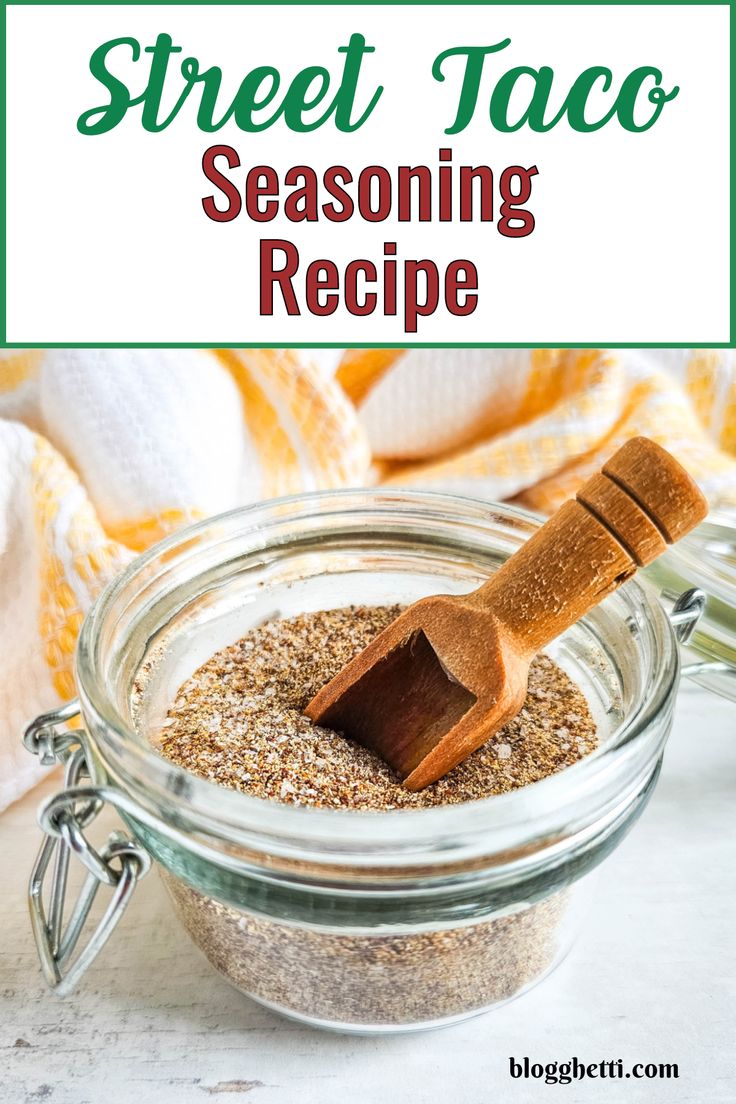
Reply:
x=452, y=669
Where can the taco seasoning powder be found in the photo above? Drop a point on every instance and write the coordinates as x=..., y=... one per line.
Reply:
x=238, y=722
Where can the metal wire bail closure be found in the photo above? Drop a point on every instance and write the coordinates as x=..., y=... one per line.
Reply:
x=686, y=612
x=684, y=617
x=63, y=818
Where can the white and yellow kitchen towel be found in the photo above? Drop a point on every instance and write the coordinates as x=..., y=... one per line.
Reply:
x=102, y=452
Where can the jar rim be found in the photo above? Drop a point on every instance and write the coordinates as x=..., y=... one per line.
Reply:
x=227, y=814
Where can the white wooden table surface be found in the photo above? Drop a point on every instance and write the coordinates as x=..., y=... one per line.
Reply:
x=651, y=980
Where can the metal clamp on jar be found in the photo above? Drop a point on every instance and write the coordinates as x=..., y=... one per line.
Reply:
x=368, y=922
x=706, y=558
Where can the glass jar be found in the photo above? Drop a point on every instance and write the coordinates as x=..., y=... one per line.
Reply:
x=358, y=921
x=706, y=558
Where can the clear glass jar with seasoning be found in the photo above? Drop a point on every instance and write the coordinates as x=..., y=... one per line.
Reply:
x=357, y=921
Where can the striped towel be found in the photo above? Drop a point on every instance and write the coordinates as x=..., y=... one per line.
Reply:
x=103, y=452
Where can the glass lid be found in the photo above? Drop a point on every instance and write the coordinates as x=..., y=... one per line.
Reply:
x=706, y=558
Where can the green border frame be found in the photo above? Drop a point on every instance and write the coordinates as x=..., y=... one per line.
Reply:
x=4, y=344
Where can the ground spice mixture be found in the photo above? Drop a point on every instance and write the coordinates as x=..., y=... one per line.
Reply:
x=238, y=722
x=364, y=980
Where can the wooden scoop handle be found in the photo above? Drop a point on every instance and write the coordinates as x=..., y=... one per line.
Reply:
x=622, y=518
